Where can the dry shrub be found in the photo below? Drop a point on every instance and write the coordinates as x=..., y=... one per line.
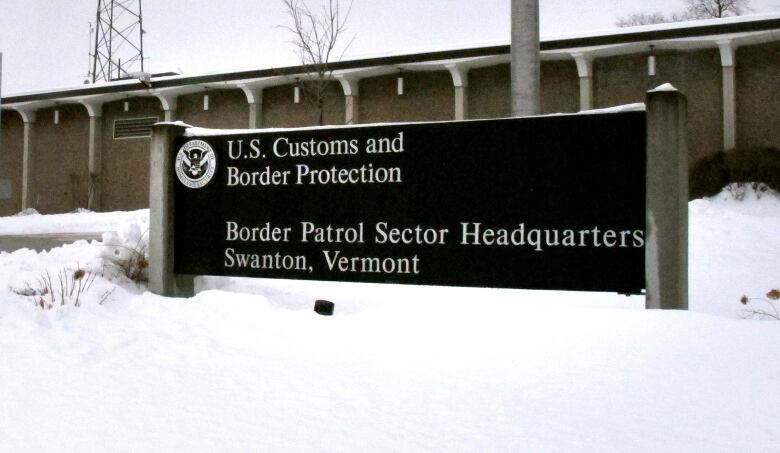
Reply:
x=127, y=253
x=762, y=308
x=66, y=288
x=133, y=263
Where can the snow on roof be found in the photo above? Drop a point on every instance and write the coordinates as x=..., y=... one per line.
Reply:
x=612, y=32
x=665, y=26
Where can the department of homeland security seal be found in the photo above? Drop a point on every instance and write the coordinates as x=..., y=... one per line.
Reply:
x=195, y=164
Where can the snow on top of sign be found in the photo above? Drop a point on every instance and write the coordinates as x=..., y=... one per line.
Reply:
x=194, y=131
x=174, y=123
x=637, y=107
x=664, y=87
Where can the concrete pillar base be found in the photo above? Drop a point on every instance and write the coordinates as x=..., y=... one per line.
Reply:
x=255, y=113
x=28, y=166
x=586, y=93
x=729, y=108
x=728, y=62
x=461, y=103
x=95, y=159
x=352, y=115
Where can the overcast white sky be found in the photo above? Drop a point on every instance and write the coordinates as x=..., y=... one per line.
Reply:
x=45, y=43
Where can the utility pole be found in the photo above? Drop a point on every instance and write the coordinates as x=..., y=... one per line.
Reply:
x=525, y=58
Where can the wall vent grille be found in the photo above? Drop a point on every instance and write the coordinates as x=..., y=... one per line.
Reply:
x=134, y=127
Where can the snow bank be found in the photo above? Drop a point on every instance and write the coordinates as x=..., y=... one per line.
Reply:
x=246, y=365
x=79, y=222
x=734, y=249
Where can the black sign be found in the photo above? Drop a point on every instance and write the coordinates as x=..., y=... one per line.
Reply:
x=544, y=203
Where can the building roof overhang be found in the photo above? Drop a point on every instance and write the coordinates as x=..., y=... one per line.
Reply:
x=707, y=34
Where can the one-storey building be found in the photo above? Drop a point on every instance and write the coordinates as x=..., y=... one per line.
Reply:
x=88, y=146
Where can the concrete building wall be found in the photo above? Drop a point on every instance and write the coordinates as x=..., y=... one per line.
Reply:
x=61, y=176
x=428, y=96
x=489, y=92
x=228, y=109
x=11, y=161
x=624, y=79
x=758, y=96
x=125, y=161
x=279, y=110
x=560, y=87
x=489, y=89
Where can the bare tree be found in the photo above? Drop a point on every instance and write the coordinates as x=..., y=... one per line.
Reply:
x=696, y=9
x=635, y=19
x=318, y=36
x=707, y=9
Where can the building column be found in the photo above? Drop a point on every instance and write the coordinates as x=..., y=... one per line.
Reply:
x=169, y=115
x=168, y=103
x=254, y=97
x=728, y=63
x=460, y=80
x=585, y=73
x=95, y=162
x=95, y=111
x=255, y=113
x=351, y=93
x=28, y=159
x=351, y=110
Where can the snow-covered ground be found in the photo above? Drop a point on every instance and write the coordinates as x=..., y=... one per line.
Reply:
x=246, y=365
x=28, y=222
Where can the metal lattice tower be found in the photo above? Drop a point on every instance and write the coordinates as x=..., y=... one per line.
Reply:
x=119, y=42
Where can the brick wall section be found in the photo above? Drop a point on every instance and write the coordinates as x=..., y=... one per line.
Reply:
x=61, y=176
x=279, y=110
x=489, y=89
x=11, y=160
x=428, y=96
x=489, y=92
x=758, y=96
x=560, y=87
x=125, y=162
x=624, y=79
x=228, y=109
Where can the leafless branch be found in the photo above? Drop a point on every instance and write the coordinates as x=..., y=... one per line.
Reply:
x=316, y=36
x=695, y=9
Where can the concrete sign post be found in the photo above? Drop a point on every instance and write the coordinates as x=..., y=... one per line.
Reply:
x=162, y=279
x=666, y=245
